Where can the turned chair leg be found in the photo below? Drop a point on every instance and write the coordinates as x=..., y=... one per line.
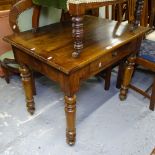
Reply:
x=70, y=110
x=127, y=78
x=28, y=88
x=77, y=33
x=152, y=101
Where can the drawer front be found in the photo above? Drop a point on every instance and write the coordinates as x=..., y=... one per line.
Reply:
x=112, y=57
x=99, y=64
x=124, y=51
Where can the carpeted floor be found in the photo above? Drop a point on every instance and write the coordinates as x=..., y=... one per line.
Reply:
x=105, y=125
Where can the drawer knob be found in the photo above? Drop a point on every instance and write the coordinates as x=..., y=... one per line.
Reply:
x=100, y=65
x=114, y=54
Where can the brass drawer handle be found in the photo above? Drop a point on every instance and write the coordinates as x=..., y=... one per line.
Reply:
x=114, y=54
x=100, y=65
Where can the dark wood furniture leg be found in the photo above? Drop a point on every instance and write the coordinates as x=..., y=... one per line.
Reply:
x=77, y=32
x=70, y=85
x=70, y=110
x=28, y=87
x=127, y=78
x=152, y=101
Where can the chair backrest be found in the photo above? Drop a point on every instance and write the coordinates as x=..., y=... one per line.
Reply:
x=47, y=16
x=124, y=10
x=115, y=11
x=25, y=15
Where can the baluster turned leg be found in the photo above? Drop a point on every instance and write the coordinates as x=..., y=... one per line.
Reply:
x=70, y=109
x=138, y=12
x=127, y=78
x=77, y=32
x=27, y=84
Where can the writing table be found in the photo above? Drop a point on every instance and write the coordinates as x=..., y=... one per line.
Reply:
x=49, y=51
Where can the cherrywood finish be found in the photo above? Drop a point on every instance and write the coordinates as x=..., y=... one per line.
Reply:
x=42, y=51
x=15, y=12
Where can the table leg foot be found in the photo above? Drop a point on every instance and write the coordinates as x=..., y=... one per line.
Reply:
x=123, y=93
x=30, y=107
x=70, y=110
x=70, y=138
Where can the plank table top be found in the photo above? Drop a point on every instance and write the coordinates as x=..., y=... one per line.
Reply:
x=53, y=44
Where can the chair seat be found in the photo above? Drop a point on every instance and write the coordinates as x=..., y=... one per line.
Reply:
x=8, y=55
x=147, y=50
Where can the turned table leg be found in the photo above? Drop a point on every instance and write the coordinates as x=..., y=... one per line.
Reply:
x=77, y=32
x=29, y=91
x=127, y=78
x=70, y=110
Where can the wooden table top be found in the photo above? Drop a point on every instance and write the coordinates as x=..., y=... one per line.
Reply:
x=54, y=45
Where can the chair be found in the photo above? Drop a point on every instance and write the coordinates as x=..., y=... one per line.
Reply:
x=36, y=17
x=146, y=59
